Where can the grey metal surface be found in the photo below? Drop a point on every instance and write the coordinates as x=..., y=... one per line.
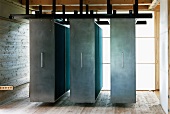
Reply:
x=123, y=61
x=98, y=60
x=48, y=52
x=67, y=59
x=82, y=58
x=42, y=80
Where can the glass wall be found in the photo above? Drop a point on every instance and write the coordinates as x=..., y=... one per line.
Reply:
x=145, y=55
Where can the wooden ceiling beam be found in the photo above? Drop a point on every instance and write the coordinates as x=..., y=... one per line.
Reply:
x=157, y=8
x=95, y=8
x=70, y=2
x=154, y=4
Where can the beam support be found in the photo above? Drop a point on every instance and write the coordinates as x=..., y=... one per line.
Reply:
x=87, y=8
x=81, y=6
x=109, y=10
x=54, y=6
x=40, y=9
x=27, y=7
x=63, y=11
x=136, y=7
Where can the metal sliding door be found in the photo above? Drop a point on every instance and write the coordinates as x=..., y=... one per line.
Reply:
x=42, y=61
x=82, y=43
x=49, y=60
x=85, y=57
x=123, y=63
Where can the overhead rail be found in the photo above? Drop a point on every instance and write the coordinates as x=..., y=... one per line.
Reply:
x=110, y=13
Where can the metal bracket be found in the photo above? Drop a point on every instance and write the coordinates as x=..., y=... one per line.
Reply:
x=109, y=7
x=54, y=6
x=40, y=9
x=87, y=8
x=135, y=7
x=27, y=7
x=81, y=6
x=63, y=12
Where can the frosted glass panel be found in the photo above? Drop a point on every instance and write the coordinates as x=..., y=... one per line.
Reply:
x=146, y=30
x=106, y=50
x=106, y=77
x=145, y=50
x=145, y=76
x=106, y=30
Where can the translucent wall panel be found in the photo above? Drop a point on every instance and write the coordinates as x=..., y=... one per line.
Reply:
x=106, y=55
x=106, y=77
x=145, y=50
x=106, y=30
x=106, y=50
x=145, y=76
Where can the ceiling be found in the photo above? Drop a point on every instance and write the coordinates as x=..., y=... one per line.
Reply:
x=96, y=5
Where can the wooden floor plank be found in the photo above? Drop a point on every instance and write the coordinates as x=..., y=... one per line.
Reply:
x=146, y=103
